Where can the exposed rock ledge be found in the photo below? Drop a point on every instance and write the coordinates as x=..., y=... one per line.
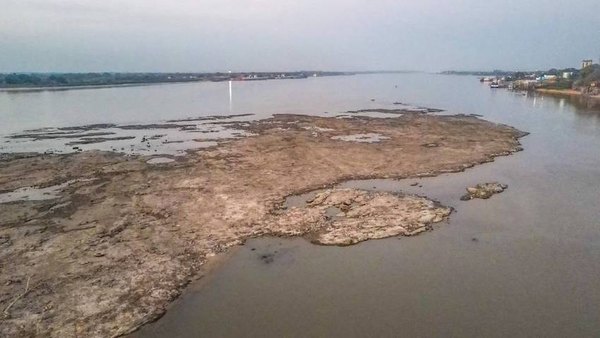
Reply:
x=483, y=191
x=349, y=216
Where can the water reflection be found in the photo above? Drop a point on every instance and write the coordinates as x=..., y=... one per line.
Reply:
x=580, y=103
x=230, y=96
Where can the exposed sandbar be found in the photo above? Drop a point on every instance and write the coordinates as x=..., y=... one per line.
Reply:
x=124, y=237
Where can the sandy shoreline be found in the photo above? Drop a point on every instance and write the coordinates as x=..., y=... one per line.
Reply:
x=125, y=237
x=566, y=92
x=559, y=91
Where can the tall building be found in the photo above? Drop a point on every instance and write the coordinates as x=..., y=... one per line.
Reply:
x=586, y=63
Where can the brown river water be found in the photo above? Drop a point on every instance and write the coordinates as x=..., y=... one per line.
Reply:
x=524, y=263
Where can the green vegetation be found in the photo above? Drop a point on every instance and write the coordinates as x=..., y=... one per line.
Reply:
x=557, y=84
x=34, y=80
x=17, y=80
x=588, y=76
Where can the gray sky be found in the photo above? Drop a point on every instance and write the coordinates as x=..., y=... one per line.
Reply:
x=255, y=35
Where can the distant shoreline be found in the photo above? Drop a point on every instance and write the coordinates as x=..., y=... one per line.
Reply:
x=104, y=81
x=70, y=80
x=59, y=88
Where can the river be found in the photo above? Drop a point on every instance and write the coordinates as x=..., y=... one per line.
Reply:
x=523, y=263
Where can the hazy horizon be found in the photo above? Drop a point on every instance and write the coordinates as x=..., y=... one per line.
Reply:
x=261, y=35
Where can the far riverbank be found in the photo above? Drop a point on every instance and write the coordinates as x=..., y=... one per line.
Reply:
x=19, y=82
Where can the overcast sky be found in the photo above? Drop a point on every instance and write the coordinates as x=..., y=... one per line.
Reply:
x=257, y=35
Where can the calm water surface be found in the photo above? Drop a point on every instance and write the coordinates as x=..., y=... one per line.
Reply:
x=524, y=263
x=157, y=104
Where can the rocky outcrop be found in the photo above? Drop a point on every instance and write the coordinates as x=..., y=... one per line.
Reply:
x=349, y=216
x=484, y=191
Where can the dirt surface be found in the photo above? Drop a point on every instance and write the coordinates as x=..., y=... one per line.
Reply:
x=350, y=216
x=124, y=237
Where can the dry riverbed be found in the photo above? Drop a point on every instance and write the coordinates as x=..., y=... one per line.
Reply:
x=121, y=238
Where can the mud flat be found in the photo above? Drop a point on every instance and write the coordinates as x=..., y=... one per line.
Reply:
x=124, y=237
x=171, y=137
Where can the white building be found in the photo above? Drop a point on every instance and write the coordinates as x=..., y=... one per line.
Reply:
x=567, y=75
x=586, y=63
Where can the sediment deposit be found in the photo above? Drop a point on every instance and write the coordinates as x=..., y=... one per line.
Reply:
x=124, y=237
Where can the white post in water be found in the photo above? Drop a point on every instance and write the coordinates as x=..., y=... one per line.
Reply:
x=230, y=94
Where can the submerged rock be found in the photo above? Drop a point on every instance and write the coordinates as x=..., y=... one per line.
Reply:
x=267, y=258
x=483, y=191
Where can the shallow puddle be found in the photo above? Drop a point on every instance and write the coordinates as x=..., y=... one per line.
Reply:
x=301, y=199
x=34, y=194
x=160, y=160
x=361, y=138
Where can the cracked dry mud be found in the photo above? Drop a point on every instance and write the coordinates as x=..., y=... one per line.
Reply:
x=125, y=237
